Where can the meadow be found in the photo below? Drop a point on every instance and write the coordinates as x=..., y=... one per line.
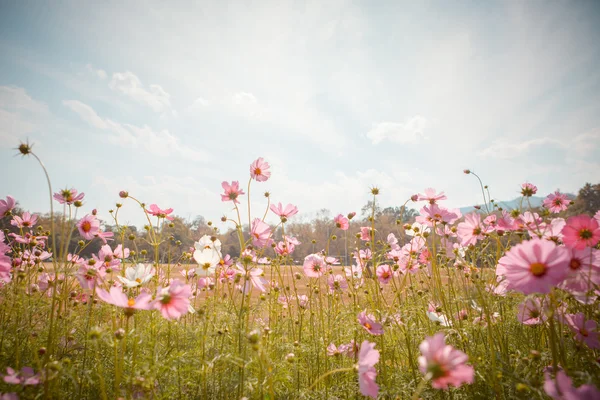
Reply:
x=496, y=304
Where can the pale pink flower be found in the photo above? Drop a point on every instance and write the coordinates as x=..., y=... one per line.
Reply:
x=6, y=206
x=597, y=216
x=206, y=282
x=506, y=223
x=68, y=196
x=88, y=227
x=392, y=240
x=584, y=266
x=104, y=236
x=431, y=196
x=528, y=189
x=259, y=170
x=342, y=222
x=253, y=277
x=232, y=192
x=333, y=350
x=384, y=273
x=553, y=230
x=562, y=388
x=433, y=215
x=174, y=300
x=534, y=266
x=557, y=202
x=25, y=377
x=471, y=230
x=89, y=276
x=444, y=364
x=367, y=358
x=26, y=221
x=369, y=323
x=284, y=212
x=366, y=233
x=260, y=233
x=585, y=331
x=531, y=312
x=581, y=231
x=337, y=283
x=159, y=212
x=314, y=265
x=117, y=297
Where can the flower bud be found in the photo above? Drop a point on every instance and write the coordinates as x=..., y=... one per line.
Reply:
x=123, y=194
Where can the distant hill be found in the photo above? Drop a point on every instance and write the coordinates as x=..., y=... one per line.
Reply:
x=535, y=201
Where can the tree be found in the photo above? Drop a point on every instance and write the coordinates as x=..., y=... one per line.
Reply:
x=587, y=201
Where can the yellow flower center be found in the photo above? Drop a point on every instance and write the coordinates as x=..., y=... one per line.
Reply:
x=86, y=226
x=131, y=302
x=367, y=325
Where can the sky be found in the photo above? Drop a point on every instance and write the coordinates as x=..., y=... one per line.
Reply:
x=169, y=99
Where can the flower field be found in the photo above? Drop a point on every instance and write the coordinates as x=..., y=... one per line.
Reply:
x=496, y=304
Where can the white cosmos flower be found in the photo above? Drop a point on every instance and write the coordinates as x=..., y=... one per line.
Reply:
x=441, y=318
x=138, y=275
x=207, y=260
x=417, y=228
x=206, y=243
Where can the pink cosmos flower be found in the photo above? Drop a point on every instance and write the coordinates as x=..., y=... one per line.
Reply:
x=369, y=323
x=597, y=216
x=259, y=170
x=506, y=223
x=562, y=388
x=232, y=192
x=314, y=265
x=333, y=350
x=105, y=236
x=26, y=221
x=444, y=364
x=342, y=222
x=553, y=230
x=384, y=273
x=528, y=189
x=254, y=278
x=367, y=358
x=25, y=377
x=531, y=312
x=160, y=213
x=471, y=230
x=260, y=233
x=580, y=232
x=433, y=214
x=431, y=196
x=174, y=300
x=534, y=266
x=88, y=227
x=337, y=283
x=284, y=213
x=585, y=331
x=584, y=272
x=556, y=202
x=89, y=276
x=68, y=196
x=6, y=206
x=116, y=297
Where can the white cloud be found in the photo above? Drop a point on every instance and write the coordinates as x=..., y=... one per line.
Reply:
x=130, y=85
x=409, y=131
x=503, y=149
x=16, y=98
x=20, y=115
x=86, y=113
x=100, y=73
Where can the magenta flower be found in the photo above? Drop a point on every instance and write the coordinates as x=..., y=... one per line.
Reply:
x=314, y=265
x=259, y=170
x=369, y=323
x=232, y=192
x=384, y=273
x=284, y=213
x=88, y=227
x=174, y=300
x=260, y=233
x=68, y=196
x=116, y=297
x=562, y=388
x=26, y=221
x=6, y=206
x=366, y=233
x=89, y=276
x=580, y=232
x=531, y=312
x=471, y=230
x=342, y=222
x=367, y=358
x=556, y=202
x=160, y=213
x=444, y=364
x=431, y=196
x=534, y=266
x=585, y=331
x=528, y=189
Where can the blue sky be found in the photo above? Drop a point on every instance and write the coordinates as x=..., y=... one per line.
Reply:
x=167, y=100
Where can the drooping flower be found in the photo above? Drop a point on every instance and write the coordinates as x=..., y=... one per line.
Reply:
x=116, y=297
x=528, y=189
x=580, y=232
x=88, y=227
x=138, y=275
x=585, y=331
x=444, y=364
x=534, y=266
x=232, y=192
x=562, y=388
x=367, y=358
x=260, y=233
x=556, y=202
x=174, y=300
x=6, y=206
x=159, y=212
x=26, y=221
x=531, y=312
x=259, y=170
x=369, y=323
x=342, y=222
x=431, y=196
x=314, y=265
x=284, y=212
x=68, y=196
